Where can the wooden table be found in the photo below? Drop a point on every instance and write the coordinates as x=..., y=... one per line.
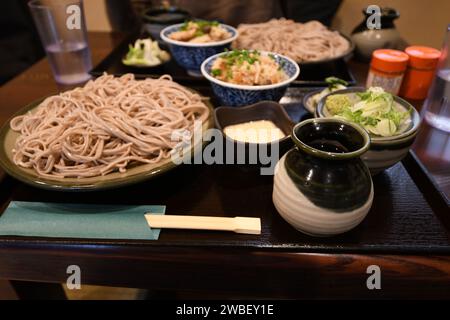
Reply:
x=406, y=234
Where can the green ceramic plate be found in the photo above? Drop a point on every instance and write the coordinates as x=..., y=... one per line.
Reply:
x=134, y=174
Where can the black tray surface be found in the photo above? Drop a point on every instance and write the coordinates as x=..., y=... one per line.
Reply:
x=310, y=75
x=400, y=221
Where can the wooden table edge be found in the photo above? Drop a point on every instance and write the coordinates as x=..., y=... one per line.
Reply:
x=265, y=273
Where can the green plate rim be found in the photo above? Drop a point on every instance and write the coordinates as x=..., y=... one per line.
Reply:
x=48, y=184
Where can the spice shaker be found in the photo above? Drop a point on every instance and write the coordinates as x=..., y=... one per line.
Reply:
x=420, y=71
x=387, y=69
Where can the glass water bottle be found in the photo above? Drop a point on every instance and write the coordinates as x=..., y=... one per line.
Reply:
x=436, y=110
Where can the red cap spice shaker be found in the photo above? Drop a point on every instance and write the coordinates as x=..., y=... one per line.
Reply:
x=420, y=71
x=387, y=69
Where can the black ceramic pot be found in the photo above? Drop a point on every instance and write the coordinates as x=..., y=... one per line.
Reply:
x=322, y=187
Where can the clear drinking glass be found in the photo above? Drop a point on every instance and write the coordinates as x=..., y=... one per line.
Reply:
x=62, y=30
x=436, y=110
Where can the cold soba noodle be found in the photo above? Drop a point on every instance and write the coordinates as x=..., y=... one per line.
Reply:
x=303, y=42
x=105, y=126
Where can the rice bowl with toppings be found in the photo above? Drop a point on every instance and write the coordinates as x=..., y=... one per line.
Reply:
x=255, y=82
x=190, y=54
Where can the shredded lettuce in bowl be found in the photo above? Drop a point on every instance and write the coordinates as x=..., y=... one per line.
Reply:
x=374, y=109
x=145, y=53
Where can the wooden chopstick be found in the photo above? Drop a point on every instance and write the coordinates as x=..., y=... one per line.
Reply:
x=237, y=224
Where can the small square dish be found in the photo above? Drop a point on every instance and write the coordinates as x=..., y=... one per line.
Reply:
x=264, y=110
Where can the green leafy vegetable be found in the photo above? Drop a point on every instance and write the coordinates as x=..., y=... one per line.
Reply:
x=240, y=56
x=145, y=52
x=374, y=109
x=334, y=83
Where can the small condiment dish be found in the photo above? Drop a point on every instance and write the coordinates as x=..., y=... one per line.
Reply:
x=307, y=101
x=264, y=110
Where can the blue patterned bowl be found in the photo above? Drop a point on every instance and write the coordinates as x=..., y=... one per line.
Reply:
x=230, y=94
x=191, y=55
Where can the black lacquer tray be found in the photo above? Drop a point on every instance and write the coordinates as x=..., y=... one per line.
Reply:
x=310, y=74
x=400, y=221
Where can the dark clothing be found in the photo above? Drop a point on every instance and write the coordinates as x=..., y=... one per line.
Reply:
x=19, y=42
x=231, y=12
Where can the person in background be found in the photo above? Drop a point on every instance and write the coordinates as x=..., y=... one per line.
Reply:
x=124, y=15
x=235, y=12
x=307, y=10
x=19, y=42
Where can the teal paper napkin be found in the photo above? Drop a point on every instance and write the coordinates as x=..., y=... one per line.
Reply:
x=62, y=220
